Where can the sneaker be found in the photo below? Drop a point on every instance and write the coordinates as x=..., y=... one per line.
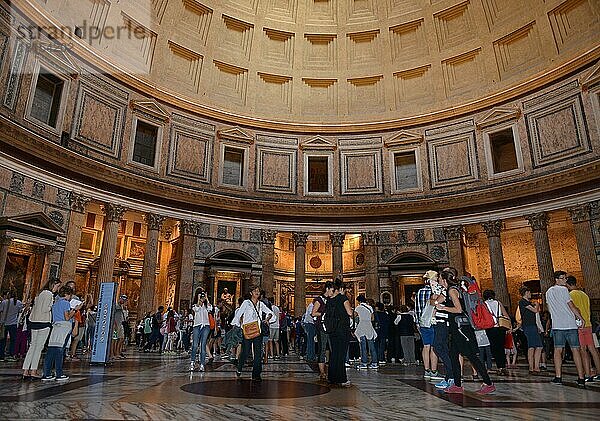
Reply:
x=375, y=366
x=597, y=378
x=346, y=384
x=362, y=367
x=581, y=383
x=589, y=379
x=201, y=367
x=382, y=362
x=557, y=381
x=62, y=378
x=192, y=366
x=543, y=367
x=427, y=375
x=48, y=378
x=238, y=373
x=348, y=365
x=486, y=389
x=454, y=389
x=435, y=375
x=393, y=360
x=445, y=384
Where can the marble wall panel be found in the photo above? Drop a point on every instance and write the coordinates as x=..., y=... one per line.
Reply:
x=361, y=171
x=276, y=169
x=190, y=154
x=453, y=160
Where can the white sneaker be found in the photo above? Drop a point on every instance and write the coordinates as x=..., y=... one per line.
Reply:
x=382, y=362
x=201, y=367
x=192, y=366
x=393, y=360
x=62, y=378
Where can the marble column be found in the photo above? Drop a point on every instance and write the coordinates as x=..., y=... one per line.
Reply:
x=4, y=245
x=454, y=235
x=188, y=231
x=370, y=240
x=337, y=246
x=76, y=223
x=268, y=263
x=493, y=229
x=580, y=216
x=113, y=214
x=539, y=226
x=300, y=239
x=148, y=282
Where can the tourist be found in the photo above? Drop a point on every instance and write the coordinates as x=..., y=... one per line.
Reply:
x=496, y=334
x=566, y=319
x=365, y=333
x=319, y=309
x=382, y=328
x=90, y=326
x=510, y=348
x=441, y=331
x=9, y=315
x=529, y=314
x=22, y=331
x=308, y=323
x=251, y=311
x=461, y=336
x=273, y=344
x=337, y=325
x=233, y=337
x=586, y=337
x=485, y=352
x=406, y=330
x=200, y=307
x=430, y=359
x=118, y=318
x=62, y=313
x=171, y=332
x=40, y=322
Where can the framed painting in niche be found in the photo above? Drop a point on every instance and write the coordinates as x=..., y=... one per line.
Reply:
x=137, y=249
x=87, y=242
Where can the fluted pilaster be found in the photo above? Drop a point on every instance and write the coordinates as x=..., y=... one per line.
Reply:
x=337, y=245
x=370, y=241
x=539, y=226
x=300, y=239
x=492, y=230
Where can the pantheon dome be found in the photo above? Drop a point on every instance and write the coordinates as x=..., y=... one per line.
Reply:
x=170, y=145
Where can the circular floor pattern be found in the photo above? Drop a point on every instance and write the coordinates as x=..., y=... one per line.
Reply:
x=267, y=389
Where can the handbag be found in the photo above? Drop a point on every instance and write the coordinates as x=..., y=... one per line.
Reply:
x=251, y=330
x=427, y=316
x=503, y=322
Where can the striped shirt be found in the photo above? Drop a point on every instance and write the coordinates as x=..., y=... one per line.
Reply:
x=423, y=296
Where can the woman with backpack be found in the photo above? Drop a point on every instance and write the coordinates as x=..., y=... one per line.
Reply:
x=462, y=340
x=337, y=325
x=318, y=311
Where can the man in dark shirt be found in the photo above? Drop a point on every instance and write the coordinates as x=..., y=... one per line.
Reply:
x=155, y=336
x=531, y=330
x=382, y=323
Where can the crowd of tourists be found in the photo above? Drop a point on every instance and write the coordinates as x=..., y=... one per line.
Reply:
x=449, y=324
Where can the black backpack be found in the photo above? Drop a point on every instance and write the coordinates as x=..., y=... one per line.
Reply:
x=332, y=321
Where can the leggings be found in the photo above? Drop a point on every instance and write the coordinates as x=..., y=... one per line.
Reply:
x=496, y=337
x=463, y=342
x=440, y=346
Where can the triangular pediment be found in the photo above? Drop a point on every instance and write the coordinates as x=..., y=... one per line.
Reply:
x=58, y=56
x=34, y=227
x=319, y=143
x=404, y=137
x=592, y=77
x=498, y=115
x=235, y=134
x=150, y=108
x=38, y=219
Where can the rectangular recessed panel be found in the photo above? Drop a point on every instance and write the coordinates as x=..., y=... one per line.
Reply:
x=453, y=160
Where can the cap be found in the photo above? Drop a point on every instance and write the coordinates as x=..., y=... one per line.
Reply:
x=430, y=274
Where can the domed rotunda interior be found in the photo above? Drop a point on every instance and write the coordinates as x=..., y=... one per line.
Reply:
x=162, y=146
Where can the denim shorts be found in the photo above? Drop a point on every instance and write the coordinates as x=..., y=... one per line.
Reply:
x=427, y=335
x=534, y=340
x=563, y=336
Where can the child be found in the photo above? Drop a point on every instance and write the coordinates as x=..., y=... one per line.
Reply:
x=510, y=350
x=62, y=313
x=485, y=353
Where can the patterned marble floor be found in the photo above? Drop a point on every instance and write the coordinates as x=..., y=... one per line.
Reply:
x=153, y=387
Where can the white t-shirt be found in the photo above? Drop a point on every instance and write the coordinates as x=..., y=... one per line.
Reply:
x=558, y=298
x=308, y=318
x=201, y=314
x=494, y=308
x=275, y=319
x=249, y=313
x=364, y=327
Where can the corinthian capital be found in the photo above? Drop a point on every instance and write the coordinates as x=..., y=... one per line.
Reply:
x=189, y=227
x=113, y=212
x=78, y=202
x=268, y=236
x=492, y=228
x=300, y=238
x=154, y=221
x=454, y=232
x=580, y=213
x=337, y=238
x=370, y=238
x=538, y=221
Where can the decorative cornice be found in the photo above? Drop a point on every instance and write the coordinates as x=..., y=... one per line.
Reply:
x=492, y=228
x=189, y=227
x=454, y=233
x=370, y=238
x=236, y=134
x=154, y=221
x=538, y=221
x=113, y=212
x=580, y=213
x=498, y=115
x=318, y=143
x=151, y=108
x=268, y=236
x=78, y=202
x=300, y=238
x=337, y=238
x=404, y=137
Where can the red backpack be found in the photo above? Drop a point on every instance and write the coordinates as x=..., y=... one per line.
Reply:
x=475, y=308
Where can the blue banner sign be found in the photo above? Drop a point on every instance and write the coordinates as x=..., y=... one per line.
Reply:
x=103, y=334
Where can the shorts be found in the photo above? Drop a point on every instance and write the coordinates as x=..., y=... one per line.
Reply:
x=274, y=334
x=586, y=337
x=534, y=340
x=120, y=331
x=561, y=337
x=427, y=335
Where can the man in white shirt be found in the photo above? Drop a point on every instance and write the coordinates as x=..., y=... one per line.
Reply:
x=566, y=319
x=273, y=345
x=308, y=323
x=252, y=310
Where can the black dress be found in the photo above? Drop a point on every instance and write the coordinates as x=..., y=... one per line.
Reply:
x=338, y=340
